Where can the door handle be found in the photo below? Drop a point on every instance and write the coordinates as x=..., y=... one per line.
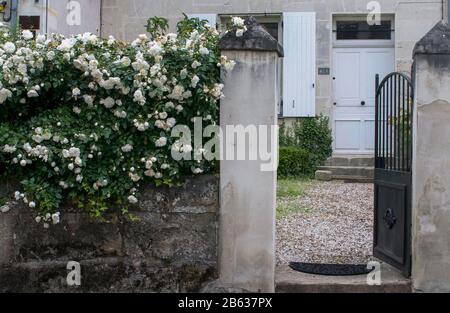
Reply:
x=363, y=102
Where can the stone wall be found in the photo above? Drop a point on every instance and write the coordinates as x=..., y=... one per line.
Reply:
x=173, y=248
x=431, y=163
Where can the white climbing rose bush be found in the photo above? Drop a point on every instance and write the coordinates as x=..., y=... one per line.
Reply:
x=89, y=119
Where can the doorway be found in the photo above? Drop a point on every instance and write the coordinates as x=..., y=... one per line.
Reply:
x=360, y=51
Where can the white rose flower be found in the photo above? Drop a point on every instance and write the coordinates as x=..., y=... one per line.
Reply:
x=155, y=49
x=194, y=81
x=108, y=102
x=237, y=21
x=9, y=47
x=32, y=94
x=78, y=161
x=76, y=92
x=32, y=204
x=171, y=122
x=67, y=44
x=50, y=55
x=5, y=94
x=27, y=35
x=161, y=142
x=229, y=65
x=139, y=97
x=183, y=73
x=132, y=199
x=88, y=100
x=40, y=39
x=196, y=170
x=127, y=148
x=56, y=218
x=204, y=51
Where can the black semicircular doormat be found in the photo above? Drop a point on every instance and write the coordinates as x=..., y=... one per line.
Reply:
x=330, y=269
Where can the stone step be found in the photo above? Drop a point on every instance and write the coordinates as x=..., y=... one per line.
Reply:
x=349, y=172
x=364, y=161
x=290, y=281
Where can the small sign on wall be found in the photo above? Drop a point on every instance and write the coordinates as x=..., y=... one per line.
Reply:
x=324, y=71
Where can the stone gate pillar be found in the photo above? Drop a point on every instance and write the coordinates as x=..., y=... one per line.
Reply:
x=431, y=162
x=248, y=184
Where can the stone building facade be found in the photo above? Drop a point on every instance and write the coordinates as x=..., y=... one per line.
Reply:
x=331, y=57
x=331, y=53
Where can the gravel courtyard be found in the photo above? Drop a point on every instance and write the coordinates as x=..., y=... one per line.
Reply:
x=324, y=222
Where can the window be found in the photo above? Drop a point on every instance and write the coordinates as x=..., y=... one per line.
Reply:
x=30, y=22
x=360, y=30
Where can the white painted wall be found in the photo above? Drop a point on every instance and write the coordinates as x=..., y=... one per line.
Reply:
x=57, y=16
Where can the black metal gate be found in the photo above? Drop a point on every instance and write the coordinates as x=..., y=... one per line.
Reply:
x=392, y=184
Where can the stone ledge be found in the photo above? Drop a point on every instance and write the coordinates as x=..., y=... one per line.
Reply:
x=436, y=41
x=256, y=38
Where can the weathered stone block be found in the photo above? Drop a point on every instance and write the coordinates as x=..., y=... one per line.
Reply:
x=324, y=175
x=172, y=248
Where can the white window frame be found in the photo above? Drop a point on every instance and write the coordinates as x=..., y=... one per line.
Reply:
x=348, y=43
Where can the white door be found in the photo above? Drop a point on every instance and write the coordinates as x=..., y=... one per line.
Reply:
x=354, y=71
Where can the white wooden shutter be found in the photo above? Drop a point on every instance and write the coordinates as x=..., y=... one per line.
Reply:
x=299, y=73
x=211, y=18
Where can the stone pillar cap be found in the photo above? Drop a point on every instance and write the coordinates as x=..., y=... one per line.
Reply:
x=256, y=38
x=436, y=41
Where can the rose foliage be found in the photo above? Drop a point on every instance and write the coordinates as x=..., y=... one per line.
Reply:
x=90, y=119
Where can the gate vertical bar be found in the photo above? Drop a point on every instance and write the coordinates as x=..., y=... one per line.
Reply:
x=403, y=167
x=384, y=126
x=394, y=124
x=397, y=119
x=408, y=143
x=377, y=113
x=389, y=121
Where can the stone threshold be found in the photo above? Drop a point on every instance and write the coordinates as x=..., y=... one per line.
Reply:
x=290, y=281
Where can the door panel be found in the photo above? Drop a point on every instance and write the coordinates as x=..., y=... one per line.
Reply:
x=354, y=71
x=378, y=61
x=347, y=134
x=348, y=78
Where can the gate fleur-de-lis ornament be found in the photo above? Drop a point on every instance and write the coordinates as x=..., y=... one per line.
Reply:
x=389, y=218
